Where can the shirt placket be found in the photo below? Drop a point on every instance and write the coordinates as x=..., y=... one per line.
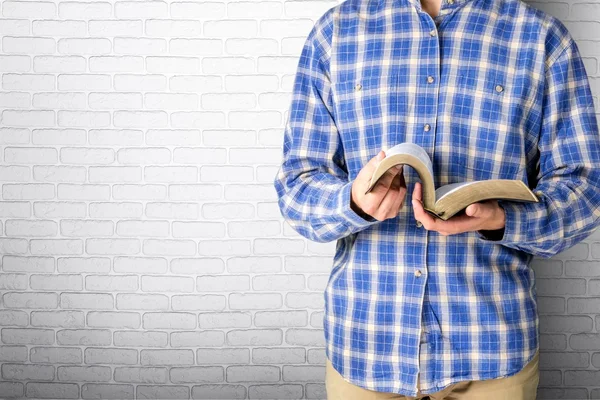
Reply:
x=430, y=336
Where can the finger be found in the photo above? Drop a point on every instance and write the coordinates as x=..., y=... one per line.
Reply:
x=397, y=206
x=385, y=181
x=393, y=198
x=383, y=185
x=369, y=168
x=386, y=201
x=417, y=191
x=428, y=221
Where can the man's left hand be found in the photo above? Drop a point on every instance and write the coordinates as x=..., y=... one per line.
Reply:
x=484, y=215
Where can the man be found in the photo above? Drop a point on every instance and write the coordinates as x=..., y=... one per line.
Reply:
x=417, y=307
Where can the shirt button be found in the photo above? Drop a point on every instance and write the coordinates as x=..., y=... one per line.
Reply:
x=499, y=88
x=430, y=79
x=450, y=1
x=419, y=224
x=358, y=86
x=432, y=32
x=427, y=127
x=418, y=273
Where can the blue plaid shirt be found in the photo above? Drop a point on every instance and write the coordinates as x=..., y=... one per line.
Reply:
x=490, y=89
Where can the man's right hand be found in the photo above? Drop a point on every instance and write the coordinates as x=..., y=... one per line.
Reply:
x=387, y=197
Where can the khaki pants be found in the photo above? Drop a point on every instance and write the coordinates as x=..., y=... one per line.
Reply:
x=521, y=386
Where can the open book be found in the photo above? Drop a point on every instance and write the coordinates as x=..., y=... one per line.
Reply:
x=448, y=200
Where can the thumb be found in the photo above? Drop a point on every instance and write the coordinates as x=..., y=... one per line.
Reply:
x=474, y=210
x=372, y=164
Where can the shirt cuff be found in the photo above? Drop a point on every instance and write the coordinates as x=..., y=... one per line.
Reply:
x=345, y=209
x=515, y=225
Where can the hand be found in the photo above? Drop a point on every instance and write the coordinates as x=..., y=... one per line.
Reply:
x=486, y=215
x=386, y=198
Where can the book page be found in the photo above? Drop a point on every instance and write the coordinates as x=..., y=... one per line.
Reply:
x=457, y=196
x=414, y=150
x=449, y=188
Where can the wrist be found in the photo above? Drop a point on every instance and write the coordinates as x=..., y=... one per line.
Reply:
x=358, y=210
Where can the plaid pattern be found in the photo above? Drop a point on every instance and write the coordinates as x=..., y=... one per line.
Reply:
x=490, y=89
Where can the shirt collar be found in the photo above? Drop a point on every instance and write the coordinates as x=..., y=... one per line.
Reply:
x=445, y=6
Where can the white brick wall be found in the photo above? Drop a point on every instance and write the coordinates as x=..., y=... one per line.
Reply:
x=143, y=253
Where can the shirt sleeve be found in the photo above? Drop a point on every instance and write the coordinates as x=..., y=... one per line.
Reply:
x=568, y=184
x=312, y=183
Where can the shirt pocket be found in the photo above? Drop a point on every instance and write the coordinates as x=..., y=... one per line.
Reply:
x=490, y=148
x=367, y=110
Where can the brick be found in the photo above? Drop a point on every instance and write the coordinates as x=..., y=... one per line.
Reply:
x=315, y=391
x=106, y=319
x=191, y=339
x=223, y=247
x=223, y=28
x=12, y=389
x=222, y=356
x=50, y=390
x=584, y=12
x=84, y=46
x=582, y=268
x=56, y=355
x=110, y=356
x=56, y=282
x=83, y=337
x=228, y=283
x=140, y=375
x=84, y=10
x=169, y=247
x=255, y=301
x=275, y=392
x=583, y=305
x=253, y=264
x=283, y=355
x=548, y=305
x=196, y=374
x=103, y=28
x=127, y=301
x=582, y=378
x=106, y=391
x=166, y=357
x=305, y=337
x=254, y=337
x=187, y=266
x=317, y=356
x=225, y=320
x=13, y=318
x=27, y=372
x=84, y=374
x=553, y=341
x=167, y=284
x=58, y=319
x=303, y=373
x=253, y=373
x=60, y=136
x=163, y=392
x=305, y=300
x=140, y=9
x=13, y=281
x=111, y=283
x=190, y=9
x=283, y=282
x=219, y=392
x=215, y=302
x=173, y=28
x=141, y=339
x=167, y=320
x=573, y=324
x=13, y=354
x=550, y=360
x=30, y=300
